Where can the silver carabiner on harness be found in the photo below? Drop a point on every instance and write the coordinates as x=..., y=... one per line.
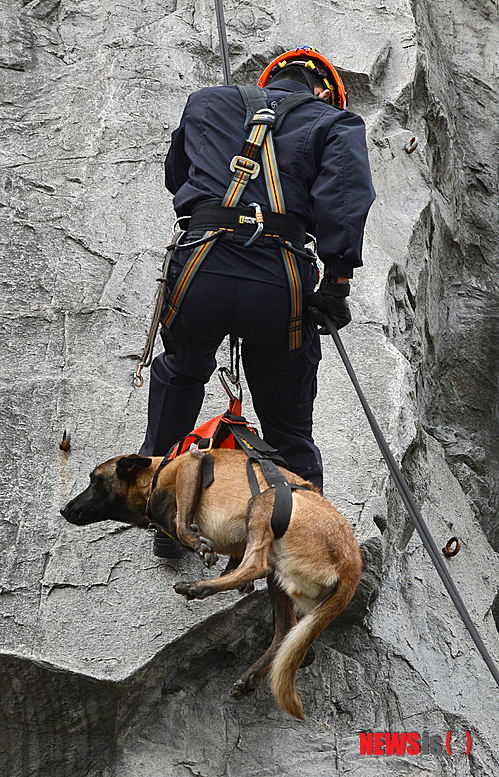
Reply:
x=259, y=224
x=177, y=222
x=231, y=386
x=195, y=243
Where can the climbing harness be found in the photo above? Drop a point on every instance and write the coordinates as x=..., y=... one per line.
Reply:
x=245, y=224
x=263, y=121
x=232, y=430
x=411, y=505
x=215, y=219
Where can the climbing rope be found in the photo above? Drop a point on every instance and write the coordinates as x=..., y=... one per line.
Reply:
x=222, y=36
x=412, y=507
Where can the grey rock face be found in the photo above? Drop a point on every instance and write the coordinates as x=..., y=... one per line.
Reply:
x=105, y=671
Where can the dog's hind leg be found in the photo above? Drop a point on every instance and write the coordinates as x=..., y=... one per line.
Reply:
x=254, y=562
x=285, y=619
x=232, y=564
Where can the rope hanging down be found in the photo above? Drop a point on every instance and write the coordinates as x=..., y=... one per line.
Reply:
x=222, y=36
x=412, y=507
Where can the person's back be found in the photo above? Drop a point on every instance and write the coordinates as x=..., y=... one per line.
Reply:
x=322, y=158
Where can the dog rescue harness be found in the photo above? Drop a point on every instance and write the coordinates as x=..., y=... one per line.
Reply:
x=231, y=430
x=221, y=219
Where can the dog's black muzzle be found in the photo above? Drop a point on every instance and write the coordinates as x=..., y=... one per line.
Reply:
x=82, y=511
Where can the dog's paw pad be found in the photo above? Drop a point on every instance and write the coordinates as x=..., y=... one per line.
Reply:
x=185, y=589
x=244, y=687
x=206, y=552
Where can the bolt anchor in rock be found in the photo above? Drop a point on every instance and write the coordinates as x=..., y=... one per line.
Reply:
x=65, y=445
x=412, y=144
x=449, y=551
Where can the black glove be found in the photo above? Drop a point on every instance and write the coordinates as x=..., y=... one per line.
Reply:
x=331, y=298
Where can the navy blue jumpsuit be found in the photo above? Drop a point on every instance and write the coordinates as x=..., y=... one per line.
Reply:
x=325, y=176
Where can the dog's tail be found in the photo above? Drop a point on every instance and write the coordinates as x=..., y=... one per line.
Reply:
x=296, y=643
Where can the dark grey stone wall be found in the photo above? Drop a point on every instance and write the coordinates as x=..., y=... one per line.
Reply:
x=105, y=671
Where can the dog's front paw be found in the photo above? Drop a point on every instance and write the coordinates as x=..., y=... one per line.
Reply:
x=206, y=551
x=190, y=590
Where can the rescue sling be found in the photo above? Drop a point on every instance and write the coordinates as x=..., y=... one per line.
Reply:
x=223, y=220
x=231, y=430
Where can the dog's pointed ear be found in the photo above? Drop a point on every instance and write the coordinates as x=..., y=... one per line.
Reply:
x=127, y=467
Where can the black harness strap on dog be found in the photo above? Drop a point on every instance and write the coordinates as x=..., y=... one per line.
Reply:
x=254, y=446
x=195, y=438
x=156, y=474
x=258, y=450
x=252, y=478
x=283, y=503
x=207, y=470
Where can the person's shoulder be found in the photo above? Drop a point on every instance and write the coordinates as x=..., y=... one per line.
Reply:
x=333, y=115
x=213, y=91
x=219, y=98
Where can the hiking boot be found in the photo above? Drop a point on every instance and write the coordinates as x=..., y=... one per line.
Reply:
x=165, y=546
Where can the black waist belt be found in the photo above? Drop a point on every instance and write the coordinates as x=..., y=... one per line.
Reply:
x=240, y=222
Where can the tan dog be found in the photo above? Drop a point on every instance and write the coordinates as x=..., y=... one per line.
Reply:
x=313, y=569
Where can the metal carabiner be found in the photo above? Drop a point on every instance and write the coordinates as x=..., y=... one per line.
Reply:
x=138, y=380
x=259, y=224
x=177, y=222
x=230, y=384
x=313, y=241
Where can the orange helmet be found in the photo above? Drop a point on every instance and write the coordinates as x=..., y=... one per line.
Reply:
x=306, y=56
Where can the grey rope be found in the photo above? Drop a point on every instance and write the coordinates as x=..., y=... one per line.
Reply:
x=222, y=36
x=412, y=507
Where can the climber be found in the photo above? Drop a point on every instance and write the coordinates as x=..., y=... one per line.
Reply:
x=243, y=285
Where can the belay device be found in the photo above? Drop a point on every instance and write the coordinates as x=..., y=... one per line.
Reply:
x=231, y=430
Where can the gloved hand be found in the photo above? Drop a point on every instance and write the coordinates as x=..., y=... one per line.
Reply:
x=330, y=298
